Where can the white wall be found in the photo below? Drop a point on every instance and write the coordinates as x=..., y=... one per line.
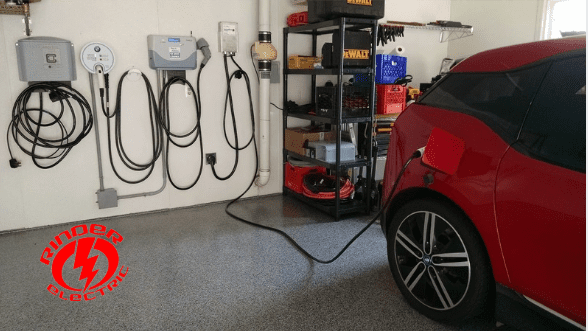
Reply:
x=31, y=197
x=424, y=52
x=496, y=23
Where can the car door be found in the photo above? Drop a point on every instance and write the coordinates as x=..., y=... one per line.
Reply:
x=540, y=195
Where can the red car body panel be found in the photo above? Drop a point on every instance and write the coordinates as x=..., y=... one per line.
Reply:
x=530, y=214
x=471, y=187
x=541, y=211
x=516, y=56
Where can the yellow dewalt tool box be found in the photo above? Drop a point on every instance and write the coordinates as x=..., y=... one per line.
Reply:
x=357, y=52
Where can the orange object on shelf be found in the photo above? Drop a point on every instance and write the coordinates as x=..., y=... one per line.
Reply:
x=302, y=62
x=413, y=92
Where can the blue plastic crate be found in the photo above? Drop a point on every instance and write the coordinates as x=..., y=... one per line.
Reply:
x=389, y=68
x=362, y=80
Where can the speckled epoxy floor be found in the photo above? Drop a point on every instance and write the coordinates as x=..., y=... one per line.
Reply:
x=198, y=269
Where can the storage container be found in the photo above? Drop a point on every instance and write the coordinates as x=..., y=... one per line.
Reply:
x=302, y=62
x=356, y=101
x=297, y=19
x=357, y=52
x=327, y=151
x=391, y=99
x=295, y=139
x=322, y=10
x=389, y=68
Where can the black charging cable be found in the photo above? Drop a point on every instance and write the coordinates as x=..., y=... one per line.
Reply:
x=253, y=63
x=174, y=138
x=31, y=134
x=240, y=73
x=156, y=133
x=417, y=154
x=403, y=80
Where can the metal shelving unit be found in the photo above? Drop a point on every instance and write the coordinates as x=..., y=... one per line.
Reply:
x=335, y=208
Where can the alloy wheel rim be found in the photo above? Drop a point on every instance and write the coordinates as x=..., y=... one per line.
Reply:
x=432, y=260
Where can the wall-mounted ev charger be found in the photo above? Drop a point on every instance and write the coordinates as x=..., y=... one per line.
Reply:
x=99, y=60
x=97, y=54
x=44, y=59
x=228, y=37
x=172, y=52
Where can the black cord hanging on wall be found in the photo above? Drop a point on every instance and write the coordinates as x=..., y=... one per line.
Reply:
x=44, y=134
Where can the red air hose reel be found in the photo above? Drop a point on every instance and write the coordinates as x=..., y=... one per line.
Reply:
x=322, y=187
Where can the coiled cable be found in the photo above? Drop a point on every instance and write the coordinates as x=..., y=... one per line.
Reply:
x=164, y=121
x=322, y=187
x=37, y=137
x=156, y=133
x=240, y=73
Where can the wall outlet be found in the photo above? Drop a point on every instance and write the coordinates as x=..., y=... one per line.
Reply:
x=211, y=158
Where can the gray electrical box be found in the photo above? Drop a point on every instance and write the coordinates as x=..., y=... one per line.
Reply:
x=171, y=53
x=327, y=151
x=42, y=59
x=228, y=37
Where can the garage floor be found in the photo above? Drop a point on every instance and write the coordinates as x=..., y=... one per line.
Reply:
x=196, y=268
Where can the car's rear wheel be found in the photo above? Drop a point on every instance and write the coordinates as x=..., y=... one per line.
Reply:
x=439, y=261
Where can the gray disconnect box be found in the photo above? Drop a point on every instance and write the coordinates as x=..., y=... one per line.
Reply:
x=43, y=59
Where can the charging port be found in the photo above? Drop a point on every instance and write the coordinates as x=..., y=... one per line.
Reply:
x=211, y=158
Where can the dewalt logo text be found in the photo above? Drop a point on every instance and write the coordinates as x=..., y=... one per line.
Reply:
x=357, y=54
x=360, y=2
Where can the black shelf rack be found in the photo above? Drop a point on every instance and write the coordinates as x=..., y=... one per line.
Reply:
x=337, y=207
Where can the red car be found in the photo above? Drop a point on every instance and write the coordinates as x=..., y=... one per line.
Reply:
x=493, y=216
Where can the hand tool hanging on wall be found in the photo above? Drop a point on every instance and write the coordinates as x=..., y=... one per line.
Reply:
x=388, y=33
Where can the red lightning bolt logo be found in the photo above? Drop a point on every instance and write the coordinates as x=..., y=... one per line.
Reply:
x=86, y=263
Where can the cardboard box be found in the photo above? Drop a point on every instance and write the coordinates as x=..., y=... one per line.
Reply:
x=296, y=139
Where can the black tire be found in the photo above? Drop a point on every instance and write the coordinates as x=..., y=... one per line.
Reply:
x=446, y=288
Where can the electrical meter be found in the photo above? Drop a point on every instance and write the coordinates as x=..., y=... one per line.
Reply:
x=171, y=52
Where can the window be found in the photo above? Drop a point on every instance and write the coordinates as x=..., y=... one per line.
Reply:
x=563, y=18
x=555, y=128
x=500, y=99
